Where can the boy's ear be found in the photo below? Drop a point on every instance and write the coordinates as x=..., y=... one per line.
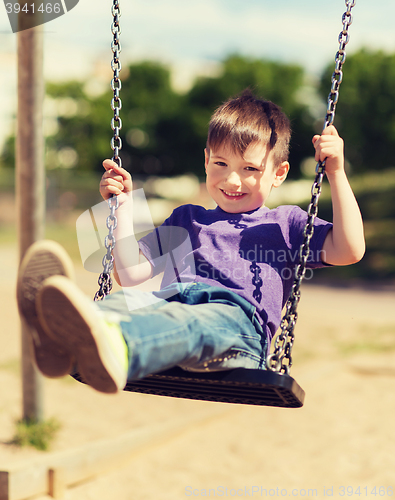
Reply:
x=206, y=158
x=281, y=174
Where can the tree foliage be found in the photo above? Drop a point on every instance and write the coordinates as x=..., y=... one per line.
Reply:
x=82, y=126
x=164, y=132
x=365, y=115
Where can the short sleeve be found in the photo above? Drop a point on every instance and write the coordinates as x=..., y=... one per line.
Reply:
x=316, y=257
x=169, y=245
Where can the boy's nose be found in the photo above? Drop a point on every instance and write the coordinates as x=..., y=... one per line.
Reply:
x=233, y=180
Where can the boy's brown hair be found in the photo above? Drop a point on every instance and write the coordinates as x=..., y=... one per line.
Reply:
x=247, y=119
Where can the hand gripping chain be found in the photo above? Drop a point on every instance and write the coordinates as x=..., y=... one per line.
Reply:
x=281, y=359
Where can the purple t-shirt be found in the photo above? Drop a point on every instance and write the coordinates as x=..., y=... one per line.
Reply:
x=252, y=254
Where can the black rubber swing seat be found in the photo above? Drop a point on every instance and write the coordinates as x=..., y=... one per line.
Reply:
x=240, y=386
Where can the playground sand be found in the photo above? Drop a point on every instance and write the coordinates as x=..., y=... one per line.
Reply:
x=341, y=443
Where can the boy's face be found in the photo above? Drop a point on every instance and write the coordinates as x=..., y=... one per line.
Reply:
x=240, y=184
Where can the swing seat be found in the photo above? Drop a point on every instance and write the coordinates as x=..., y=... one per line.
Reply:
x=240, y=386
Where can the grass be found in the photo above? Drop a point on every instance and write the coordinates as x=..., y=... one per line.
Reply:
x=36, y=434
x=7, y=234
x=66, y=235
x=63, y=233
x=373, y=340
x=11, y=365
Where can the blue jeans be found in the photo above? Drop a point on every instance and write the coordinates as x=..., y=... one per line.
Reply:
x=193, y=325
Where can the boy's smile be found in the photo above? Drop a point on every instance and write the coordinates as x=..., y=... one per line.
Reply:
x=234, y=195
x=242, y=184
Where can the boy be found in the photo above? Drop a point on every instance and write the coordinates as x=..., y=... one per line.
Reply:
x=227, y=271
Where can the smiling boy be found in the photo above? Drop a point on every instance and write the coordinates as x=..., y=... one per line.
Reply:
x=246, y=154
x=242, y=183
x=227, y=272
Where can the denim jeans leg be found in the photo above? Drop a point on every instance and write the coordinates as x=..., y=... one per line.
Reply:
x=202, y=336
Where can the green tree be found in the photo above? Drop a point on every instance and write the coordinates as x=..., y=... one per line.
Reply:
x=82, y=127
x=79, y=135
x=152, y=115
x=365, y=115
x=163, y=132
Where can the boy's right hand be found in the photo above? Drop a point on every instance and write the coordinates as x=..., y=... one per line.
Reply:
x=115, y=181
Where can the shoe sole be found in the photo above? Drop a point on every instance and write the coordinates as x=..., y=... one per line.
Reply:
x=43, y=259
x=70, y=318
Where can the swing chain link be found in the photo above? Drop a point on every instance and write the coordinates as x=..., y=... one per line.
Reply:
x=116, y=84
x=281, y=359
x=105, y=280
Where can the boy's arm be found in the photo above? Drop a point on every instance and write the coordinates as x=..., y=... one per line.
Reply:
x=345, y=242
x=130, y=265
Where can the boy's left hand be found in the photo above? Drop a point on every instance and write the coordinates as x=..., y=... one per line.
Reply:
x=330, y=147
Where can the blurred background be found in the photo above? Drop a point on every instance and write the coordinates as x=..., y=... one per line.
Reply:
x=180, y=60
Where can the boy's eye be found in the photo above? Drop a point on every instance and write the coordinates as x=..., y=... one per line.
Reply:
x=252, y=169
x=220, y=163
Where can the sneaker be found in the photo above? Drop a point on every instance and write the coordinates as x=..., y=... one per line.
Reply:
x=75, y=322
x=42, y=260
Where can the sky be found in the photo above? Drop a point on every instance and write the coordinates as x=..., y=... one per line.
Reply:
x=193, y=36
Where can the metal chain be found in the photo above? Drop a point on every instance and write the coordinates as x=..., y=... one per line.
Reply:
x=105, y=281
x=116, y=85
x=281, y=359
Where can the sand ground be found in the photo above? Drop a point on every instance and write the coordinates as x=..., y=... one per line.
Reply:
x=341, y=440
